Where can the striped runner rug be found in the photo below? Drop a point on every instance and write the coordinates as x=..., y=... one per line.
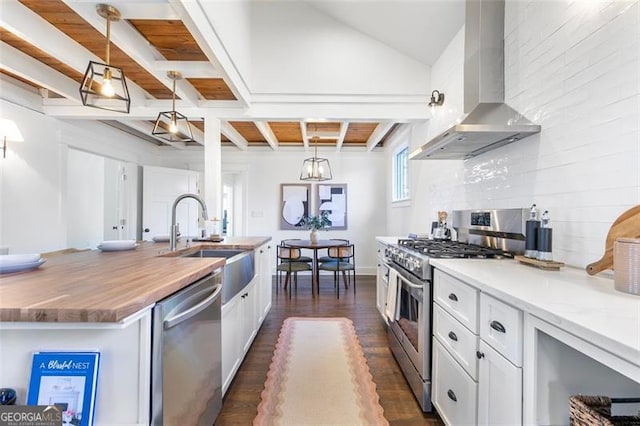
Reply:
x=319, y=376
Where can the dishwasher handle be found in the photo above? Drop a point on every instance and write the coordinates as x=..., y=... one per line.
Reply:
x=194, y=310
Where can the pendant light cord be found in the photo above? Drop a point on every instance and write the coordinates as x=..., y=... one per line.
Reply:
x=173, y=96
x=108, y=39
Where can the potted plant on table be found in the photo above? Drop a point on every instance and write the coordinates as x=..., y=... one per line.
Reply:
x=314, y=223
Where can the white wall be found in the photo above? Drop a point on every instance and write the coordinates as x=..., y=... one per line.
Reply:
x=34, y=198
x=232, y=22
x=573, y=68
x=297, y=49
x=364, y=174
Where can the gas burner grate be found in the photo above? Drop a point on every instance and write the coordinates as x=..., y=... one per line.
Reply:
x=450, y=249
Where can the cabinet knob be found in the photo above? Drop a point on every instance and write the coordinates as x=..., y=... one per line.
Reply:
x=498, y=327
x=146, y=229
x=452, y=395
x=453, y=297
x=479, y=355
x=453, y=336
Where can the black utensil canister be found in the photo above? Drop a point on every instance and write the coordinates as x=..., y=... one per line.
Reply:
x=545, y=236
x=531, y=234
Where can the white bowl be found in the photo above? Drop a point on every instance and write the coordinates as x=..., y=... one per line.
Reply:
x=116, y=245
x=18, y=267
x=18, y=259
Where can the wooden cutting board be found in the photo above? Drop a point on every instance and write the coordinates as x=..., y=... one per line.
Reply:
x=627, y=225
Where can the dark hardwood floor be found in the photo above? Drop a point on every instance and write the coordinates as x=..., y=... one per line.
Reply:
x=400, y=407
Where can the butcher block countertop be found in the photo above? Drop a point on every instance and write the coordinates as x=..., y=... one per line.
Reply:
x=106, y=287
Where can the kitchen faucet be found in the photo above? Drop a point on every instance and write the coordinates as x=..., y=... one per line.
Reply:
x=173, y=235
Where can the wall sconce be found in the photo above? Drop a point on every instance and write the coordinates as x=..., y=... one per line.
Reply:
x=103, y=85
x=171, y=125
x=9, y=132
x=437, y=98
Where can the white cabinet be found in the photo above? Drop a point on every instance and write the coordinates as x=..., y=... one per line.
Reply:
x=239, y=327
x=477, y=351
x=243, y=315
x=231, y=340
x=263, y=268
x=500, y=363
x=499, y=389
x=382, y=280
x=454, y=391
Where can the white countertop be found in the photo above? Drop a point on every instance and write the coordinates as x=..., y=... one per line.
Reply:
x=389, y=240
x=586, y=306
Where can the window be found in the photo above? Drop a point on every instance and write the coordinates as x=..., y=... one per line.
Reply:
x=401, y=175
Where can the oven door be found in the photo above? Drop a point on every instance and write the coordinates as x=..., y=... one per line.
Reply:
x=412, y=323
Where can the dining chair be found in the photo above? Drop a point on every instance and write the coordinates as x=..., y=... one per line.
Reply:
x=289, y=264
x=301, y=258
x=328, y=258
x=343, y=260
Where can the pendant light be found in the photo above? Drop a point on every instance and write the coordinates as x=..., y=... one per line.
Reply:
x=103, y=85
x=314, y=168
x=171, y=125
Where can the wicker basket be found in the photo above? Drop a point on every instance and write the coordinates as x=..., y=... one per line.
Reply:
x=596, y=410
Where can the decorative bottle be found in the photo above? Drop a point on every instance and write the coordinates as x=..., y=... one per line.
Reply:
x=545, y=235
x=531, y=234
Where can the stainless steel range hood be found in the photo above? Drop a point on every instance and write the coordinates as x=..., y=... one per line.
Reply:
x=490, y=123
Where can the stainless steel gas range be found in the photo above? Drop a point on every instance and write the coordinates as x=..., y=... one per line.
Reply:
x=482, y=234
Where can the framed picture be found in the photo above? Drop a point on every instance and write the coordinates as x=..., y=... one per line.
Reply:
x=333, y=198
x=295, y=203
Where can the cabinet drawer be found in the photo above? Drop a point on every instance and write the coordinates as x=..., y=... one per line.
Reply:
x=458, y=299
x=501, y=328
x=460, y=342
x=454, y=392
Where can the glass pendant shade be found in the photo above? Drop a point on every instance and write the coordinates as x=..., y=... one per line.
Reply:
x=105, y=87
x=173, y=127
x=314, y=168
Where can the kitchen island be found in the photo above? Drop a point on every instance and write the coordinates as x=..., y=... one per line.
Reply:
x=102, y=301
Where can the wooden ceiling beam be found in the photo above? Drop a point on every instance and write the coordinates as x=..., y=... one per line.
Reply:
x=343, y=132
x=189, y=69
x=146, y=127
x=31, y=69
x=234, y=136
x=129, y=40
x=305, y=135
x=378, y=134
x=266, y=131
x=33, y=29
x=194, y=17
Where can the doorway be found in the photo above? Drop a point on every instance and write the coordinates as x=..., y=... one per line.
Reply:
x=234, y=216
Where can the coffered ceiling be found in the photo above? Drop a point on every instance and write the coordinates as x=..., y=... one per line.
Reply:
x=46, y=45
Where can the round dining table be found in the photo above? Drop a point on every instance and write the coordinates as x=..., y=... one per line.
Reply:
x=315, y=246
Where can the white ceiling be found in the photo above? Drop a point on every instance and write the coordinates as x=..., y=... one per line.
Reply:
x=415, y=30
x=420, y=29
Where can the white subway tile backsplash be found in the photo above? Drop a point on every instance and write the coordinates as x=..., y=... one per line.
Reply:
x=574, y=68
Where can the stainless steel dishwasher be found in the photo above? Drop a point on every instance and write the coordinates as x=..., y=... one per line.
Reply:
x=186, y=375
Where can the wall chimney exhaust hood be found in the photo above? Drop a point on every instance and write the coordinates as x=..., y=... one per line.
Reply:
x=490, y=122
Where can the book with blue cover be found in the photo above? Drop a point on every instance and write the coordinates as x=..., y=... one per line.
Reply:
x=67, y=380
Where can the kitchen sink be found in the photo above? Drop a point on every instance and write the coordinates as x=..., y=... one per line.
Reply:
x=238, y=271
x=226, y=253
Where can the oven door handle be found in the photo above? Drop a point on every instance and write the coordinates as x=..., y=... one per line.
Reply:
x=410, y=284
